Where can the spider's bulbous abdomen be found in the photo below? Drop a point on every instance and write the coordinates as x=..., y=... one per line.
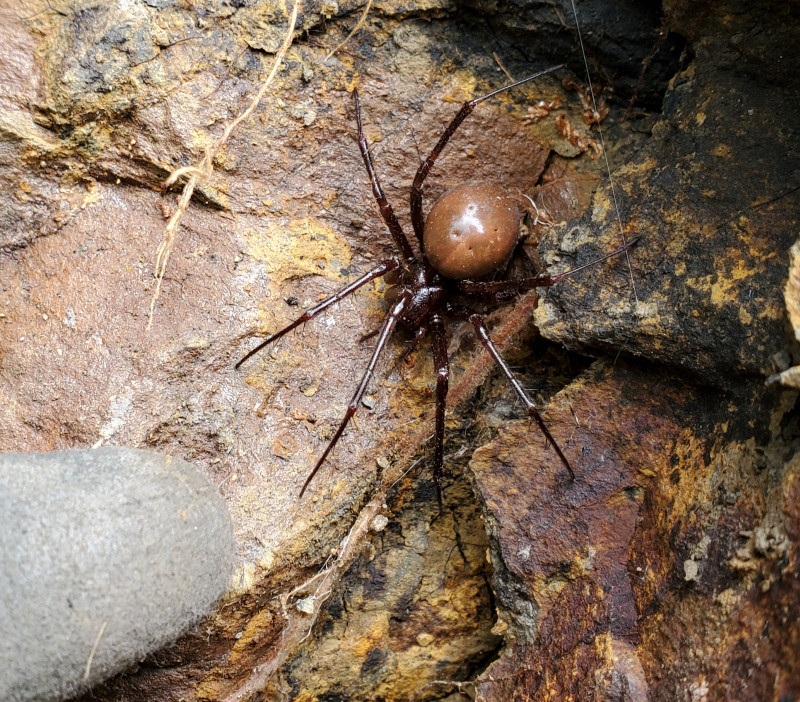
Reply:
x=471, y=231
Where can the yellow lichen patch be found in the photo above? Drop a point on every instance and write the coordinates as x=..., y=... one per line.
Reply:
x=721, y=292
x=745, y=317
x=92, y=195
x=694, y=485
x=226, y=160
x=548, y=590
x=725, y=290
x=603, y=646
x=301, y=247
x=643, y=166
x=584, y=563
x=241, y=581
x=463, y=87
x=267, y=559
x=771, y=310
x=602, y=204
x=648, y=314
x=310, y=389
x=257, y=625
x=201, y=140
x=373, y=638
x=728, y=599
x=721, y=151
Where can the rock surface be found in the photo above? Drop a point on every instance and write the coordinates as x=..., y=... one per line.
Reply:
x=106, y=555
x=99, y=103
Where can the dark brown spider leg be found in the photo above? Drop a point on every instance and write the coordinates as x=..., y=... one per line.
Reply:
x=369, y=335
x=386, y=209
x=442, y=365
x=414, y=342
x=417, y=218
x=419, y=335
x=383, y=269
x=386, y=331
x=483, y=334
x=506, y=289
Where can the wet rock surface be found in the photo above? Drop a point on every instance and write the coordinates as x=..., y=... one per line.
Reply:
x=287, y=218
x=643, y=577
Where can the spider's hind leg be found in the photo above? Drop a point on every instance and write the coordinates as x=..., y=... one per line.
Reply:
x=439, y=345
x=483, y=334
x=505, y=290
x=381, y=270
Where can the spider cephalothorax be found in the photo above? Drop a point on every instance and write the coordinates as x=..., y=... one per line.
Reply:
x=468, y=237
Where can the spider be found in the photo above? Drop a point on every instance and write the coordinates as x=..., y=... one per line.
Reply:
x=468, y=238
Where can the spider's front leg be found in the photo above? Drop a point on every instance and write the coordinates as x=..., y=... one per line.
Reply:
x=387, y=212
x=417, y=217
x=465, y=313
x=383, y=337
x=380, y=271
x=442, y=365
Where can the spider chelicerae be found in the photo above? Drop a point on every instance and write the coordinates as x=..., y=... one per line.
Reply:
x=467, y=241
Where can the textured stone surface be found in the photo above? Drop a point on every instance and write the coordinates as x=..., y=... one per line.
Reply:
x=715, y=196
x=674, y=545
x=106, y=555
x=287, y=218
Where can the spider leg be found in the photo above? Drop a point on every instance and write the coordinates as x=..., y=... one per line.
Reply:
x=419, y=335
x=386, y=331
x=505, y=289
x=439, y=346
x=381, y=270
x=387, y=212
x=369, y=335
x=417, y=218
x=483, y=334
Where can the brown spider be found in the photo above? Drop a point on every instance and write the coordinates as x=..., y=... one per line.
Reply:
x=470, y=235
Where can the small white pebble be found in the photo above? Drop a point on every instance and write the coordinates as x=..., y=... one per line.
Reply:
x=306, y=605
x=690, y=570
x=379, y=523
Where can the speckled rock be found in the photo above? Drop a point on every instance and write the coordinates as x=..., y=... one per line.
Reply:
x=105, y=556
